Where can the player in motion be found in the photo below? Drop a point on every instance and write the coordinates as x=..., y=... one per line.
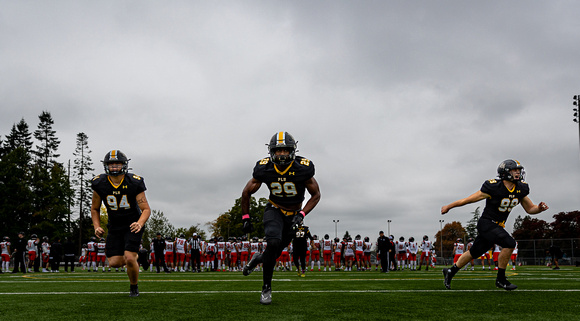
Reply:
x=501, y=195
x=287, y=176
x=123, y=194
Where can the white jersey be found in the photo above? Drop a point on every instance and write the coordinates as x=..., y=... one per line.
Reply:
x=358, y=245
x=426, y=246
x=496, y=248
x=315, y=245
x=413, y=247
x=31, y=245
x=348, y=251
x=45, y=248
x=168, y=247
x=255, y=247
x=264, y=244
x=180, y=245
x=4, y=246
x=91, y=246
x=368, y=247
x=221, y=246
x=327, y=245
x=515, y=249
x=101, y=248
x=338, y=248
x=245, y=246
x=459, y=248
x=401, y=246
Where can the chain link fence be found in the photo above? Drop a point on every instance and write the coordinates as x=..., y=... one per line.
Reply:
x=537, y=252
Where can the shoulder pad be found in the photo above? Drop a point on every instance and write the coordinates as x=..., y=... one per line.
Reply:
x=264, y=161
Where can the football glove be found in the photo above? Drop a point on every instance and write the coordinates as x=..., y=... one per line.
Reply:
x=297, y=219
x=248, y=227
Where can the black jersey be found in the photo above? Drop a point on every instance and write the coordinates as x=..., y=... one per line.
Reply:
x=120, y=200
x=286, y=185
x=301, y=238
x=502, y=200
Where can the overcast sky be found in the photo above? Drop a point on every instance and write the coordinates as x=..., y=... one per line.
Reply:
x=403, y=106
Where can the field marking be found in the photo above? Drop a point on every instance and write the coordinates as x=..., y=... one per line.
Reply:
x=282, y=291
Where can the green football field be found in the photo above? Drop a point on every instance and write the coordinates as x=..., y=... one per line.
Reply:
x=543, y=294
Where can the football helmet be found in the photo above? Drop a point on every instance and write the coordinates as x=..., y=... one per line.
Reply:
x=459, y=240
x=116, y=156
x=33, y=236
x=401, y=239
x=425, y=238
x=315, y=237
x=357, y=237
x=366, y=239
x=282, y=140
x=221, y=238
x=470, y=239
x=45, y=238
x=326, y=236
x=411, y=239
x=503, y=170
x=336, y=240
x=6, y=238
x=255, y=239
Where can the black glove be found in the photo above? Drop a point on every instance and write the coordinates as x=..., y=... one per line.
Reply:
x=297, y=219
x=248, y=227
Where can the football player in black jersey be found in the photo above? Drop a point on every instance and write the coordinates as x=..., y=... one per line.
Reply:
x=123, y=195
x=501, y=195
x=287, y=176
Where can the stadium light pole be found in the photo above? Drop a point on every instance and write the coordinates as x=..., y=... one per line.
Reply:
x=389, y=227
x=335, y=227
x=576, y=118
x=441, y=238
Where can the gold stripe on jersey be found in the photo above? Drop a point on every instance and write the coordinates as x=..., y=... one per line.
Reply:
x=115, y=186
x=284, y=172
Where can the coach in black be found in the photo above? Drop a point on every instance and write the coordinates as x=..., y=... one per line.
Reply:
x=383, y=250
x=501, y=195
x=287, y=176
x=19, y=253
x=123, y=194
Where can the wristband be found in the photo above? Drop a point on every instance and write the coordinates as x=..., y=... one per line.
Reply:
x=246, y=216
x=303, y=214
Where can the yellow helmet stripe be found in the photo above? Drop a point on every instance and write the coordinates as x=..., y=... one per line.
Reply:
x=281, y=137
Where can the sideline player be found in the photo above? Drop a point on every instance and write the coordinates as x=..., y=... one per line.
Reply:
x=426, y=248
x=123, y=195
x=287, y=176
x=501, y=195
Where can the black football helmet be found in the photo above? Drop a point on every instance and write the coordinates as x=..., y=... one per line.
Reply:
x=366, y=239
x=336, y=240
x=282, y=140
x=425, y=238
x=401, y=239
x=116, y=156
x=459, y=240
x=411, y=239
x=326, y=236
x=503, y=170
x=357, y=237
x=33, y=236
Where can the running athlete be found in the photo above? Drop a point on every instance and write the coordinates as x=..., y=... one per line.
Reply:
x=123, y=195
x=501, y=195
x=287, y=176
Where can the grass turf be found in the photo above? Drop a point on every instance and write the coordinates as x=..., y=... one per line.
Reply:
x=542, y=294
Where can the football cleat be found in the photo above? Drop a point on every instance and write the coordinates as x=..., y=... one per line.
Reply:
x=505, y=284
x=134, y=291
x=249, y=268
x=266, y=296
x=447, y=278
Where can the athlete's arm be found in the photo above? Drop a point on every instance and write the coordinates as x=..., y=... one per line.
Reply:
x=314, y=190
x=96, y=214
x=251, y=187
x=145, y=213
x=530, y=208
x=475, y=197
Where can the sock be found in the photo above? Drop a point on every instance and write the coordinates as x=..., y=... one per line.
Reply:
x=454, y=269
x=501, y=274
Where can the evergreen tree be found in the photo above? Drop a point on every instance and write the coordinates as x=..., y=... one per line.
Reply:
x=82, y=183
x=15, y=205
x=48, y=143
x=471, y=227
x=19, y=137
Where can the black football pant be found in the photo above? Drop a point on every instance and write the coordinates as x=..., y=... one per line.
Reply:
x=19, y=262
x=69, y=259
x=195, y=261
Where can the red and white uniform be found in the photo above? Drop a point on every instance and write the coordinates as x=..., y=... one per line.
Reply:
x=349, y=251
x=426, y=247
x=412, y=249
x=83, y=256
x=367, y=251
x=31, y=247
x=180, y=246
x=45, y=251
x=168, y=252
x=245, y=249
x=359, y=249
x=337, y=254
x=515, y=254
x=210, y=250
x=221, y=250
x=496, y=250
x=91, y=251
x=5, y=246
x=101, y=252
x=315, y=248
x=401, y=248
x=327, y=250
x=459, y=249
x=254, y=248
